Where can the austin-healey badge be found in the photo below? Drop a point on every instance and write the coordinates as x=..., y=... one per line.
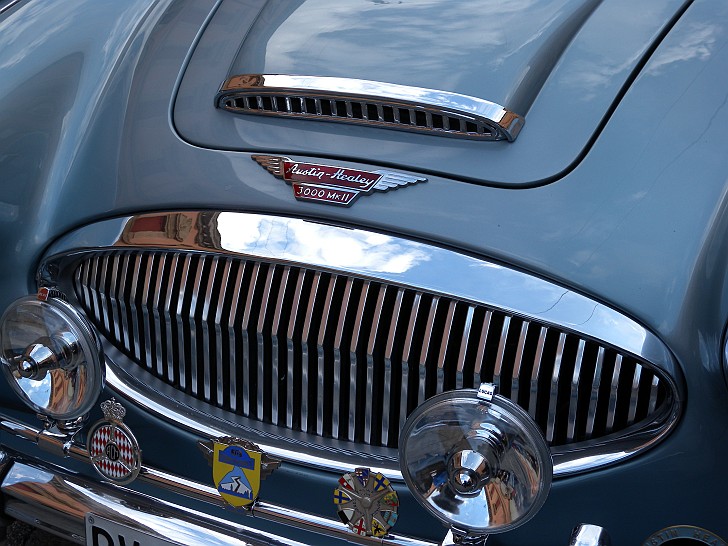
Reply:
x=366, y=502
x=238, y=466
x=330, y=184
x=113, y=450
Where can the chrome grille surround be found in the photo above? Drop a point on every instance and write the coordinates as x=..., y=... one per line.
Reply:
x=365, y=102
x=600, y=386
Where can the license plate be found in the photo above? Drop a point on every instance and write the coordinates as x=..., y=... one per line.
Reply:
x=104, y=532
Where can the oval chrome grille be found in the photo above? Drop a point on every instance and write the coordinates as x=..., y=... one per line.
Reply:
x=347, y=357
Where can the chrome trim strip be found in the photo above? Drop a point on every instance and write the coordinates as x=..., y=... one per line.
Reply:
x=32, y=491
x=504, y=124
x=8, y=4
x=402, y=263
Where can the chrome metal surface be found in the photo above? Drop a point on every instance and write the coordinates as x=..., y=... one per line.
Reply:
x=589, y=535
x=52, y=358
x=480, y=465
x=516, y=326
x=5, y=5
x=33, y=493
x=379, y=104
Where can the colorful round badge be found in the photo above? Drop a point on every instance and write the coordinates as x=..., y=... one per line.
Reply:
x=113, y=450
x=366, y=502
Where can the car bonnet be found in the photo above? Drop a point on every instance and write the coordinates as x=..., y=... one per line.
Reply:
x=563, y=65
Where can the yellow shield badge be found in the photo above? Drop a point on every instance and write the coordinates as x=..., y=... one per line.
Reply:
x=236, y=473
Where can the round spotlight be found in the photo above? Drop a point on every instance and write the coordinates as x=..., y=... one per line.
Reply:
x=51, y=357
x=477, y=462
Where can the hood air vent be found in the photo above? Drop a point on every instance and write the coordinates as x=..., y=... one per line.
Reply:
x=371, y=103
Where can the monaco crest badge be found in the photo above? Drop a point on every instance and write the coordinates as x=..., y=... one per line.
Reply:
x=329, y=184
x=112, y=448
x=238, y=466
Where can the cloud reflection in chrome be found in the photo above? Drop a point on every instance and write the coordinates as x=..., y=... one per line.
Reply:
x=309, y=242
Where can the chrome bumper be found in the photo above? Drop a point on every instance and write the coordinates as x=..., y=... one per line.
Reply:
x=51, y=499
x=39, y=494
x=59, y=504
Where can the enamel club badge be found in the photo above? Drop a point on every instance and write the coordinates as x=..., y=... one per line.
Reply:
x=238, y=466
x=112, y=448
x=366, y=502
x=330, y=184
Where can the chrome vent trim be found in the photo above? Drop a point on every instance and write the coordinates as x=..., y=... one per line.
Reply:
x=364, y=102
x=600, y=386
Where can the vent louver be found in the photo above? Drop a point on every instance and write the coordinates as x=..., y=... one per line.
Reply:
x=369, y=103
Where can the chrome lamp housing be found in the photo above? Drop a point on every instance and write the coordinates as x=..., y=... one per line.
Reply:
x=476, y=461
x=52, y=359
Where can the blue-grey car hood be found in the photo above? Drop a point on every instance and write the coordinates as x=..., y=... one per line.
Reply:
x=563, y=64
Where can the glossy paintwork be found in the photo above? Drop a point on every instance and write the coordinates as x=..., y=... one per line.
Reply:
x=641, y=223
x=564, y=79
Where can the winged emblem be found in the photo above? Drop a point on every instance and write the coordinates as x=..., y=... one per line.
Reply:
x=272, y=163
x=332, y=184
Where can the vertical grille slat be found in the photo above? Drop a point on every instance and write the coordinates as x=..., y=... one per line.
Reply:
x=320, y=351
x=594, y=393
x=210, y=360
x=233, y=344
x=370, y=389
x=444, y=344
x=505, y=330
x=264, y=394
x=221, y=355
x=182, y=341
x=338, y=394
x=536, y=373
x=463, y=356
x=333, y=355
x=614, y=393
x=574, y=393
x=158, y=318
x=305, y=363
x=134, y=305
x=115, y=299
x=389, y=397
x=554, y=390
x=291, y=349
x=406, y=365
x=197, y=365
x=247, y=379
x=103, y=293
x=353, y=361
x=422, y=379
x=518, y=363
x=275, y=364
x=480, y=356
x=170, y=355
